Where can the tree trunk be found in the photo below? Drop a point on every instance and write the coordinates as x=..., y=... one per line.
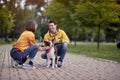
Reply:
x=76, y=37
x=75, y=42
x=98, y=43
x=6, y=35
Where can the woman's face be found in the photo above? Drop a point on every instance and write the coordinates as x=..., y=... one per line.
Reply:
x=52, y=27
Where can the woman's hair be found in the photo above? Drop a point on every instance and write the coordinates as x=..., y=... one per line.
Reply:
x=31, y=25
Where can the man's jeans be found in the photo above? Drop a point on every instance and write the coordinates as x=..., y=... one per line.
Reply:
x=30, y=52
x=62, y=49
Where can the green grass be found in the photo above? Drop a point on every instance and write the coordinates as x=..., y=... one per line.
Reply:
x=107, y=51
x=2, y=42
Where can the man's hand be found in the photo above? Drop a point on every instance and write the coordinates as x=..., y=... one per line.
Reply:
x=41, y=45
x=57, y=41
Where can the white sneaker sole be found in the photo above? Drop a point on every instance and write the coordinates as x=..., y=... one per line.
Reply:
x=29, y=67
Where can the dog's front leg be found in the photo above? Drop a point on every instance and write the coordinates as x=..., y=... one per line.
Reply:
x=53, y=62
x=48, y=62
x=56, y=60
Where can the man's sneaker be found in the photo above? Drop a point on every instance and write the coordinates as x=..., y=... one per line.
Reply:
x=31, y=63
x=15, y=64
x=59, y=64
x=28, y=66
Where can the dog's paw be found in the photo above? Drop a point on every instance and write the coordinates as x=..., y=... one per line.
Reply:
x=48, y=66
x=53, y=67
x=56, y=65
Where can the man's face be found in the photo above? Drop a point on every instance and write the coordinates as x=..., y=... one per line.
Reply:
x=52, y=27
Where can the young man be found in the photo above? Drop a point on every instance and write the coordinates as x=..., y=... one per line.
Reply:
x=60, y=40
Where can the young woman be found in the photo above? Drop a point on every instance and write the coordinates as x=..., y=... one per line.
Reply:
x=25, y=49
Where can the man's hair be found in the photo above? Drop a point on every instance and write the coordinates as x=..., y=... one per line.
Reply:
x=30, y=25
x=51, y=21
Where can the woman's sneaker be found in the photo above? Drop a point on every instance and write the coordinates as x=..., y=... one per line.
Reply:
x=15, y=64
x=28, y=66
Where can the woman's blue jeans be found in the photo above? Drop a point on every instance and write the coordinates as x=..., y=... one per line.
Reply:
x=30, y=52
x=62, y=49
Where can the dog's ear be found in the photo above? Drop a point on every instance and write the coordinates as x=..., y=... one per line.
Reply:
x=47, y=43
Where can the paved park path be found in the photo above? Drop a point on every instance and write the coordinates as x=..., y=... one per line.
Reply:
x=75, y=67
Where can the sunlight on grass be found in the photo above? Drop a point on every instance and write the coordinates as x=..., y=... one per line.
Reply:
x=107, y=50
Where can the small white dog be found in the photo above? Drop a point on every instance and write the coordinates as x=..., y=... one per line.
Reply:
x=50, y=51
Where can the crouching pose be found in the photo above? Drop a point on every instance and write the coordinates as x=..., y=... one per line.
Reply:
x=60, y=40
x=25, y=49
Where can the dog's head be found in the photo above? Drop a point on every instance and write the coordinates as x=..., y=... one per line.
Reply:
x=48, y=43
